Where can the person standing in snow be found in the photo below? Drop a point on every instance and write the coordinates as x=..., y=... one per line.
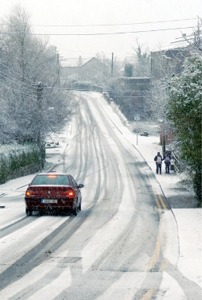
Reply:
x=158, y=159
x=167, y=161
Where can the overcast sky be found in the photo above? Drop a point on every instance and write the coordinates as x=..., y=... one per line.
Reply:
x=117, y=14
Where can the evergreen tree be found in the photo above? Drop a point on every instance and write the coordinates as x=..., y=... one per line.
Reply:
x=185, y=111
x=128, y=70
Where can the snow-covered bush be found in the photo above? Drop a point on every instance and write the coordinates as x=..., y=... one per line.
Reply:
x=185, y=111
x=18, y=161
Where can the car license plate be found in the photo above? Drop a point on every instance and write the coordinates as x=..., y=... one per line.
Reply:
x=48, y=201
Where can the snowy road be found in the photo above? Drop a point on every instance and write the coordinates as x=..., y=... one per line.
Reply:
x=118, y=246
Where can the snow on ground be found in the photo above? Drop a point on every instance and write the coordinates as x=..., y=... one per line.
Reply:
x=189, y=220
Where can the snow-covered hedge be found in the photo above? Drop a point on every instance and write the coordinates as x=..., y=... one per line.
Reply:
x=115, y=108
x=18, y=161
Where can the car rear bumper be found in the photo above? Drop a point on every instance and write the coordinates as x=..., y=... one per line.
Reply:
x=62, y=204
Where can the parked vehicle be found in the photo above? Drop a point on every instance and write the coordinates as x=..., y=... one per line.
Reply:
x=144, y=133
x=56, y=192
x=52, y=145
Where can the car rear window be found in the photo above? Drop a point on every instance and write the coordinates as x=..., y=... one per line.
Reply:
x=50, y=179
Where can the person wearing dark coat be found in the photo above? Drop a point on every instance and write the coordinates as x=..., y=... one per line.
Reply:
x=158, y=159
x=167, y=161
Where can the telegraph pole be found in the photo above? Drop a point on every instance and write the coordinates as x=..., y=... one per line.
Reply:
x=39, y=105
x=40, y=124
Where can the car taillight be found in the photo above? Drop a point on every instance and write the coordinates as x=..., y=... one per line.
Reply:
x=28, y=193
x=70, y=193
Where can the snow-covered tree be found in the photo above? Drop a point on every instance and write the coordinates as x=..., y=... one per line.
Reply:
x=128, y=70
x=185, y=111
x=142, y=65
x=26, y=60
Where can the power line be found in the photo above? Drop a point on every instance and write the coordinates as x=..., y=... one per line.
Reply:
x=121, y=24
x=113, y=33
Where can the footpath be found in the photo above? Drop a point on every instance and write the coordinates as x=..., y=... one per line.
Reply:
x=184, y=206
x=176, y=192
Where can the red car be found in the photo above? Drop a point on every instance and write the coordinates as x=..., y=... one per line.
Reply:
x=53, y=192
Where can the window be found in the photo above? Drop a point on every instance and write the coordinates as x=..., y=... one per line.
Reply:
x=50, y=179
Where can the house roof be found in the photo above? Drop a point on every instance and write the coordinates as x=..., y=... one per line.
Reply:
x=85, y=62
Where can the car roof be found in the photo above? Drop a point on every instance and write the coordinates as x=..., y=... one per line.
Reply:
x=53, y=173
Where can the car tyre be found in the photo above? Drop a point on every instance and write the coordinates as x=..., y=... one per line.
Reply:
x=28, y=212
x=75, y=211
x=79, y=207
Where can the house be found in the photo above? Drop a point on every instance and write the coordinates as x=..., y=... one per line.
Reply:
x=91, y=71
x=166, y=63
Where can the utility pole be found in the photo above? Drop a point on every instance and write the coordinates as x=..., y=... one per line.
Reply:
x=39, y=106
x=164, y=139
x=40, y=123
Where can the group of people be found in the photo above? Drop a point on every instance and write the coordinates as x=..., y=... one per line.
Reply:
x=158, y=159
